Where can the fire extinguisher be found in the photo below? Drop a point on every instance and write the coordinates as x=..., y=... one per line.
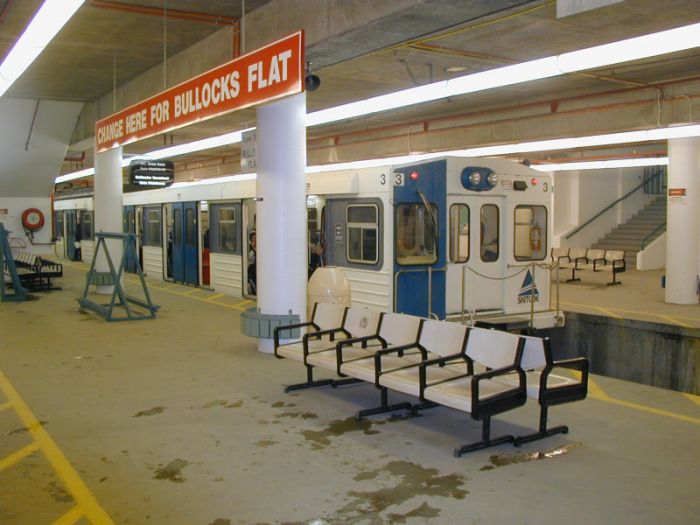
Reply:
x=535, y=237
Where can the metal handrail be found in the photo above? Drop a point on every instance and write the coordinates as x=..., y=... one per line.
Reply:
x=646, y=239
x=636, y=188
x=429, y=270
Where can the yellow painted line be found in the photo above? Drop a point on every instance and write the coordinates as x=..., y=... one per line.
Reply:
x=653, y=410
x=191, y=292
x=214, y=297
x=242, y=305
x=609, y=313
x=594, y=389
x=639, y=312
x=595, y=392
x=5, y=406
x=674, y=321
x=71, y=517
x=64, y=470
x=18, y=456
x=695, y=399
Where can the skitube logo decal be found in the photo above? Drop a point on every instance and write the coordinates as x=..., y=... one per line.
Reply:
x=528, y=291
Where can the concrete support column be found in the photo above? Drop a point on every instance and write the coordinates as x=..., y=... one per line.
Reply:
x=281, y=209
x=108, y=206
x=683, y=221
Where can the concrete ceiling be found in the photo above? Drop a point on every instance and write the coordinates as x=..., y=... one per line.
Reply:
x=413, y=45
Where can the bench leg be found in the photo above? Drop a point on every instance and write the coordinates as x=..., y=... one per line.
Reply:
x=614, y=281
x=543, y=432
x=310, y=383
x=486, y=440
x=573, y=276
x=422, y=406
x=384, y=407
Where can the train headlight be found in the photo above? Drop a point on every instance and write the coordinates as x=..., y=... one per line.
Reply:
x=475, y=178
x=492, y=179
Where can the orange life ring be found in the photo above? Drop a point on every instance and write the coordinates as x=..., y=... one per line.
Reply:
x=33, y=219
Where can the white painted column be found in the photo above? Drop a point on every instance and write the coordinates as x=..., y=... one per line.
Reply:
x=108, y=207
x=683, y=222
x=281, y=209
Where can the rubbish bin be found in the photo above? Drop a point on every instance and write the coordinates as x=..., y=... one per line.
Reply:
x=328, y=284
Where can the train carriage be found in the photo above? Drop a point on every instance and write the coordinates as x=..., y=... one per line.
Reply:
x=443, y=238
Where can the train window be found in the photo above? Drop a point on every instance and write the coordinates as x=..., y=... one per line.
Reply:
x=415, y=234
x=362, y=233
x=58, y=221
x=490, y=242
x=530, y=233
x=177, y=227
x=152, y=227
x=86, y=229
x=459, y=233
x=228, y=238
x=190, y=228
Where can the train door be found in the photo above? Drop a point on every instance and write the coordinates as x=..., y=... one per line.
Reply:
x=183, y=251
x=250, y=252
x=129, y=218
x=204, y=242
x=483, y=287
x=419, y=245
x=71, y=224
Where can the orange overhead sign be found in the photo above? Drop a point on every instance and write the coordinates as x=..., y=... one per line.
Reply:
x=676, y=192
x=268, y=73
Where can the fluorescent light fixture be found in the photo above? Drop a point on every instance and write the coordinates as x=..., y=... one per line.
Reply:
x=216, y=180
x=672, y=40
x=654, y=44
x=199, y=145
x=602, y=164
x=47, y=22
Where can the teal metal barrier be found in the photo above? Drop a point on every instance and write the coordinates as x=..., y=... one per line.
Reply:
x=119, y=298
x=7, y=264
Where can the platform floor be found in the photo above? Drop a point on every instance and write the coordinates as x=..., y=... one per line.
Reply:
x=180, y=421
x=639, y=297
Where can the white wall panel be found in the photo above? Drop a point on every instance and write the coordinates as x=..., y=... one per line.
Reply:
x=153, y=262
x=370, y=289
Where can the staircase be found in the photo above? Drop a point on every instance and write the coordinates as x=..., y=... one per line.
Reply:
x=629, y=236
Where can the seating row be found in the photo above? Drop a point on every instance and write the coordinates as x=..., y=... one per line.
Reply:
x=36, y=273
x=594, y=259
x=480, y=371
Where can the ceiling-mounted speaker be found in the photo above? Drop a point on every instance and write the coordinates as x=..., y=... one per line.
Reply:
x=312, y=82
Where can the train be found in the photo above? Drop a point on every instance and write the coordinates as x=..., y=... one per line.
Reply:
x=441, y=238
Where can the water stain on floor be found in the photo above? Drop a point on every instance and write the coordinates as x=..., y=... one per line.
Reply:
x=320, y=439
x=57, y=493
x=22, y=430
x=172, y=471
x=236, y=404
x=424, y=511
x=302, y=415
x=367, y=507
x=265, y=443
x=221, y=521
x=502, y=460
x=150, y=412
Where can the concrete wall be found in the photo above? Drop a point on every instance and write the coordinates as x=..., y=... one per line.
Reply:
x=653, y=257
x=12, y=219
x=654, y=354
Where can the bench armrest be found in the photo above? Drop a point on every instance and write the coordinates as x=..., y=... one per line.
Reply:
x=290, y=327
x=578, y=363
x=349, y=342
x=442, y=361
x=394, y=350
x=598, y=262
x=502, y=401
x=581, y=260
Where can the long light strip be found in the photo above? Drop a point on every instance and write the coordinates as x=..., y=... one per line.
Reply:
x=48, y=21
x=603, y=164
x=672, y=40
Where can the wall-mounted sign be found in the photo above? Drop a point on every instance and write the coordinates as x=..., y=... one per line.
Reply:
x=676, y=192
x=151, y=173
x=268, y=73
x=249, y=163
